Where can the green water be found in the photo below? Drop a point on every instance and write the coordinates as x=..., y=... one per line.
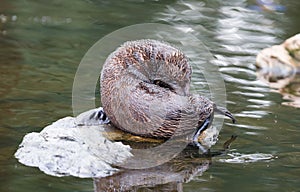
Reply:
x=42, y=43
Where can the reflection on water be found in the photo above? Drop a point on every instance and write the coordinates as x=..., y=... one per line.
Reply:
x=289, y=87
x=169, y=176
x=291, y=93
x=41, y=49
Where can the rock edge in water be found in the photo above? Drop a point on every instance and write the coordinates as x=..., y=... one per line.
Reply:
x=280, y=61
x=66, y=149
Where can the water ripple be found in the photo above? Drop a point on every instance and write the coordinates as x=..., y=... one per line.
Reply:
x=247, y=158
x=252, y=114
x=251, y=127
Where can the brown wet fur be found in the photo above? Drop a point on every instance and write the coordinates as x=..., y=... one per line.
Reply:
x=145, y=91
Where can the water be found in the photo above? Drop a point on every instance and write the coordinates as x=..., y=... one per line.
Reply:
x=42, y=44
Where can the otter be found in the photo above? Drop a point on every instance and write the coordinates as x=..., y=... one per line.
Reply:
x=145, y=90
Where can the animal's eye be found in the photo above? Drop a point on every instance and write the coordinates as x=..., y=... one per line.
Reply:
x=163, y=84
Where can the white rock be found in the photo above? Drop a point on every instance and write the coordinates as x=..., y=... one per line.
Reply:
x=65, y=148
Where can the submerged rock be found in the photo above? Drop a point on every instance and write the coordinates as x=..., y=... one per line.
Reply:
x=68, y=148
